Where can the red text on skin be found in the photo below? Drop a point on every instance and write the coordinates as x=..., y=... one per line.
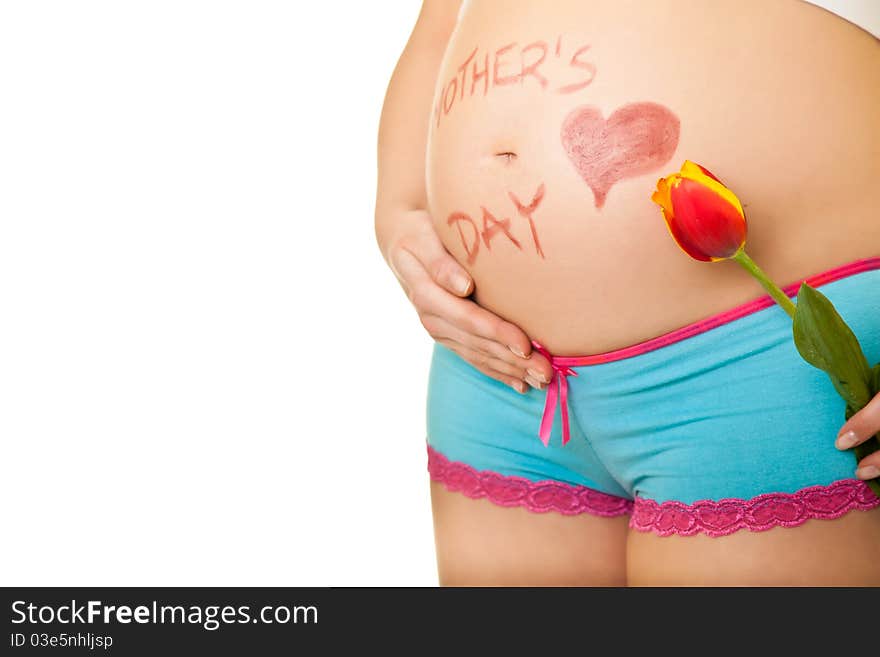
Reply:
x=471, y=234
x=514, y=63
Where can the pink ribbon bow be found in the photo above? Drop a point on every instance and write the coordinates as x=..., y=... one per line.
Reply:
x=558, y=389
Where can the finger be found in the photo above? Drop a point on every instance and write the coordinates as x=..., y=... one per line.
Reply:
x=513, y=365
x=489, y=326
x=869, y=467
x=407, y=269
x=443, y=268
x=486, y=360
x=514, y=382
x=470, y=318
x=861, y=426
x=425, y=257
x=536, y=365
x=426, y=294
x=539, y=367
x=431, y=299
x=532, y=381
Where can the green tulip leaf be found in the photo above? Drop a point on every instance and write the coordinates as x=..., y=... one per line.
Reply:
x=825, y=341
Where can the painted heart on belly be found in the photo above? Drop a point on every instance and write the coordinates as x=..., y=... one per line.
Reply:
x=636, y=139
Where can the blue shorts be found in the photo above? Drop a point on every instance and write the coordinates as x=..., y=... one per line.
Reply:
x=712, y=428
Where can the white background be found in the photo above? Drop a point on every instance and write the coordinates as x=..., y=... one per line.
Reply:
x=208, y=376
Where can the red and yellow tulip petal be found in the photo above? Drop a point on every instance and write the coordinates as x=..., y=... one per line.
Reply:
x=705, y=223
x=693, y=167
x=661, y=196
x=695, y=172
x=683, y=242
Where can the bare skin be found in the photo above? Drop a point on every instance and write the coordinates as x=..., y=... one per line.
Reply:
x=759, y=119
x=481, y=544
x=838, y=552
x=477, y=542
x=610, y=276
x=436, y=284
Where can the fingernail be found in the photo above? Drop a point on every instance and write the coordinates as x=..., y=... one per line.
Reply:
x=868, y=472
x=534, y=383
x=519, y=386
x=846, y=440
x=516, y=351
x=462, y=284
x=537, y=375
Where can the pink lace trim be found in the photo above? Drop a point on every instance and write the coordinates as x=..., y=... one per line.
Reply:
x=757, y=514
x=536, y=496
x=669, y=518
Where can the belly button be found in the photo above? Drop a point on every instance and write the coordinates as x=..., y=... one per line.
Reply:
x=507, y=157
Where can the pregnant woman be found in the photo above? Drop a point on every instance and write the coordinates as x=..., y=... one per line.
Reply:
x=661, y=428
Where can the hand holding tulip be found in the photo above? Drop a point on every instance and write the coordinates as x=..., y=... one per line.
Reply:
x=707, y=221
x=862, y=427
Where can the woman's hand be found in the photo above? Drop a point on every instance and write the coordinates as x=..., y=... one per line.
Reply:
x=435, y=283
x=859, y=428
x=438, y=287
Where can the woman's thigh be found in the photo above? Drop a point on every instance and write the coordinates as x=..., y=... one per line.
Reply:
x=840, y=552
x=482, y=544
x=508, y=507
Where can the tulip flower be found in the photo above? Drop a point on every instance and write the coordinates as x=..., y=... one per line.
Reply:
x=707, y=222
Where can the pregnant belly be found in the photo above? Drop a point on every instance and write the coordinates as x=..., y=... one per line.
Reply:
x=550, y=129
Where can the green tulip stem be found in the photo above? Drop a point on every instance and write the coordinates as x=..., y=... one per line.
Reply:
x=778, y=295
